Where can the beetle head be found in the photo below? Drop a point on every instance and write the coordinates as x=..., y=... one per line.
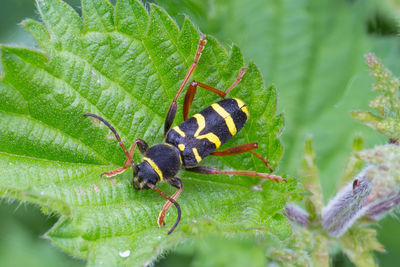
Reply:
x=144, y=175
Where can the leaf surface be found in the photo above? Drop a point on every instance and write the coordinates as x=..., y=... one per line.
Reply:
x=312, y=50
x=125, y=64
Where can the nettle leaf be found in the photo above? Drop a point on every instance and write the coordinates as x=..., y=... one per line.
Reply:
x=125, y=64
x=359, y=252
x=312, y=50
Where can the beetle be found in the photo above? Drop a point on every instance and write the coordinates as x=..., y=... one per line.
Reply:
x=188, y=143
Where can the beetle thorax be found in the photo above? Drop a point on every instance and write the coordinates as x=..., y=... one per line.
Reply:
x=160, y=162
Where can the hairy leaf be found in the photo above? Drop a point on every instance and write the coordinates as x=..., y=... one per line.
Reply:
x=312, y=50
x=125, y=64
x=360, y=252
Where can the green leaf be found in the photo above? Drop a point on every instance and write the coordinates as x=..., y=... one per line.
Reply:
x=354, y=164
x=298, y=250
x=387, y=103
x=309, y=174
x=312, y=50
x=204, y=252
x=126, y=64
x=360, y=252
x=18, y=248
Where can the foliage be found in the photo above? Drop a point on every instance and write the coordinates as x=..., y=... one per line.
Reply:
x=125, y=64
x=371, y=192
x=387, y=103
x=312, y=51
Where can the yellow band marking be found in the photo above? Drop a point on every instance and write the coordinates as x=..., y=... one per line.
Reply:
x=179, y=131
x=154, y=167
x=169, y=145
x=239, y=102
x=209, y=136
x=242, y=106
x=181, y=147
x=227, y=117
x=201, y=122
x=246, y=111
x=180, y=158
x=196, y=154
x=212, y=138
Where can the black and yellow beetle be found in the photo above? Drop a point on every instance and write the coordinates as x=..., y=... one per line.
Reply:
x=188, y=143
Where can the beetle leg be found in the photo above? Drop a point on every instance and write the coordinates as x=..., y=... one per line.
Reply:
x=211, y=170
x=242, y=149
x=263, y=160
x=238, y=79
x=191, y=92
x=142, y=148
x=178, y=208
x=236, y=150
x=169, y=119
x=175, y=182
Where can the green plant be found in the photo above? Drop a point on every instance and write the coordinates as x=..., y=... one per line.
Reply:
x=368, y=193
x=126, y=64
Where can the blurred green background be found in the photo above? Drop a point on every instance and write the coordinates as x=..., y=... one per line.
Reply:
x=312, y=50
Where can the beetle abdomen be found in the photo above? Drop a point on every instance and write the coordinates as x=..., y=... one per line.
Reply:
x=207, y=130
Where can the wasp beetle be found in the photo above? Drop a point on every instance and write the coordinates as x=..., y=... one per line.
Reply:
x=188, y=143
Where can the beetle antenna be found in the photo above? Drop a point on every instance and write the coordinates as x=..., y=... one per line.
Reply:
x=173, y=202
x=116, y=136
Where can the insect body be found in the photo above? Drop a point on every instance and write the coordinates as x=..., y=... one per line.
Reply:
x=199, y=136
x=188, y=143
